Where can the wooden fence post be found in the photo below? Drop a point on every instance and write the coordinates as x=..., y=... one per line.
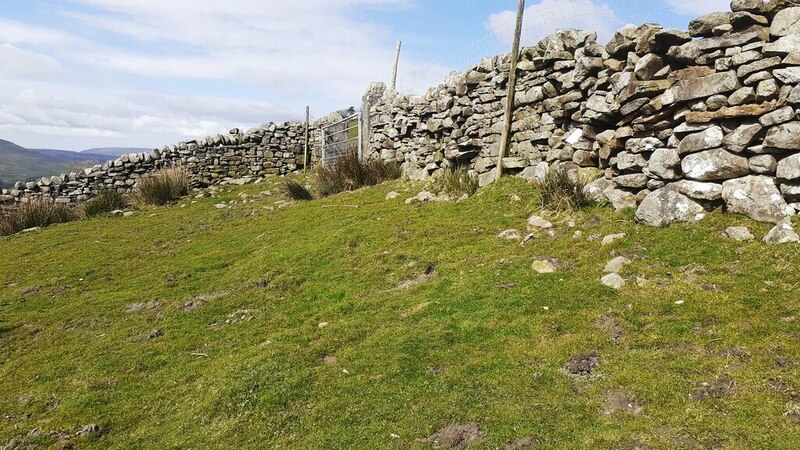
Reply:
x=306, y=159
x=512, y=87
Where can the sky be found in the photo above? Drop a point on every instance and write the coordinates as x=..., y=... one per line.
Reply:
x=77, y=74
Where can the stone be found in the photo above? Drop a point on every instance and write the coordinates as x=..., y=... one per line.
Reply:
x=758, y=66
x=634, y=180
x=705, y=24
x=712, y=165
x=665, y=164
x=611, y=238
x=790, y=192
x=739, y=139
x=667, y=206
x=543, y=266
x=620, y=199
x=783, y=46
x=763, y=164
x=536, y=222
x=510, y=235
x=785, y=136
x=732, y=112
x=630, y=161
x=704, y=140
x=617, y=264
x=777, y=117
x=694, y=88
x=700, y=191
x=639, y=145
x=756, y=197
x=689, y=52
x=739, y=234
x=782, y=233
x=594, y=190
x=392, y=195
x=742, y=96
x=789, y=75
x=789, y=168
x=786, y=22
x=752, y=6
x=613, y=281
x=647, y=66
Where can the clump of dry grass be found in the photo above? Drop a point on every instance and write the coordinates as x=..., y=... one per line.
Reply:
x=456, y=182
x=33, y=214
x=561, y=192
x=163, y=187
x=106, y=201
x=349, y=173
x=297, y=191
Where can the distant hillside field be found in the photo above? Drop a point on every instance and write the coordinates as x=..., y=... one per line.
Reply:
x=21, y=164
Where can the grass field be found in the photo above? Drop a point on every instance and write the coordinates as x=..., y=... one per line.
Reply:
x=360, y=322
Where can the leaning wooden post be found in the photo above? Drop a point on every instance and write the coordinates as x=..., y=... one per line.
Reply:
x=512, y=87
x=305, y=154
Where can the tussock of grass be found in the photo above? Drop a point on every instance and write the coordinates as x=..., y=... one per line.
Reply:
x=561, y=192
x=163, y=187
x=37, y=213
x=297, y=191
x=104, y=202
x=456, y=182
x=348, y=173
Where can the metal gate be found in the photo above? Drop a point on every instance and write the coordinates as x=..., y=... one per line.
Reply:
x=341, y=138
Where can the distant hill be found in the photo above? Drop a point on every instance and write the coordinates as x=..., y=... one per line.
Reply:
x=115, y=152
x=21, y=164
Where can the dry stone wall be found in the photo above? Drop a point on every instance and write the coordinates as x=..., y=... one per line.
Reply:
x=274, y=149
x=675, y=122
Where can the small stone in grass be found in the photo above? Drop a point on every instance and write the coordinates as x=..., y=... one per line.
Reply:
x=543, y=266
x=611, y=238
x=740, y=234
x=510, y=235
x=535, y=222
x=613, y=280
x=617, y=264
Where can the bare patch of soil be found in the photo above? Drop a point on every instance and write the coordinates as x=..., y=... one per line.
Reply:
x=784, y=389
x=736, y=352
x=621, y=401
x=613, y=327
x=583, y=365
x=430, y=274
x=330, y=360
x=31, y=290
x=524, y=442
x=153, y=305
x=198, y=300
x=457, y=435
x=722, y=387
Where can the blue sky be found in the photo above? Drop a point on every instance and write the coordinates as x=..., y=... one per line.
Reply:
x=77, y=74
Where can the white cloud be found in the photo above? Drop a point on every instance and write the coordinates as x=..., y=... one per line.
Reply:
x=698, y=7
x=267, y=58
x=20, y=63
x=547, y=16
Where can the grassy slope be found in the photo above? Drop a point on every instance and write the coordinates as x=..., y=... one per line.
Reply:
x=474, y=344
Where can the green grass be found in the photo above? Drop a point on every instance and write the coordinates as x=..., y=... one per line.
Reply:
x=239, y=295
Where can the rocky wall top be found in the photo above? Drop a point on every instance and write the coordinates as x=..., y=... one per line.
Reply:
x=677, y=122
x=274, y=149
